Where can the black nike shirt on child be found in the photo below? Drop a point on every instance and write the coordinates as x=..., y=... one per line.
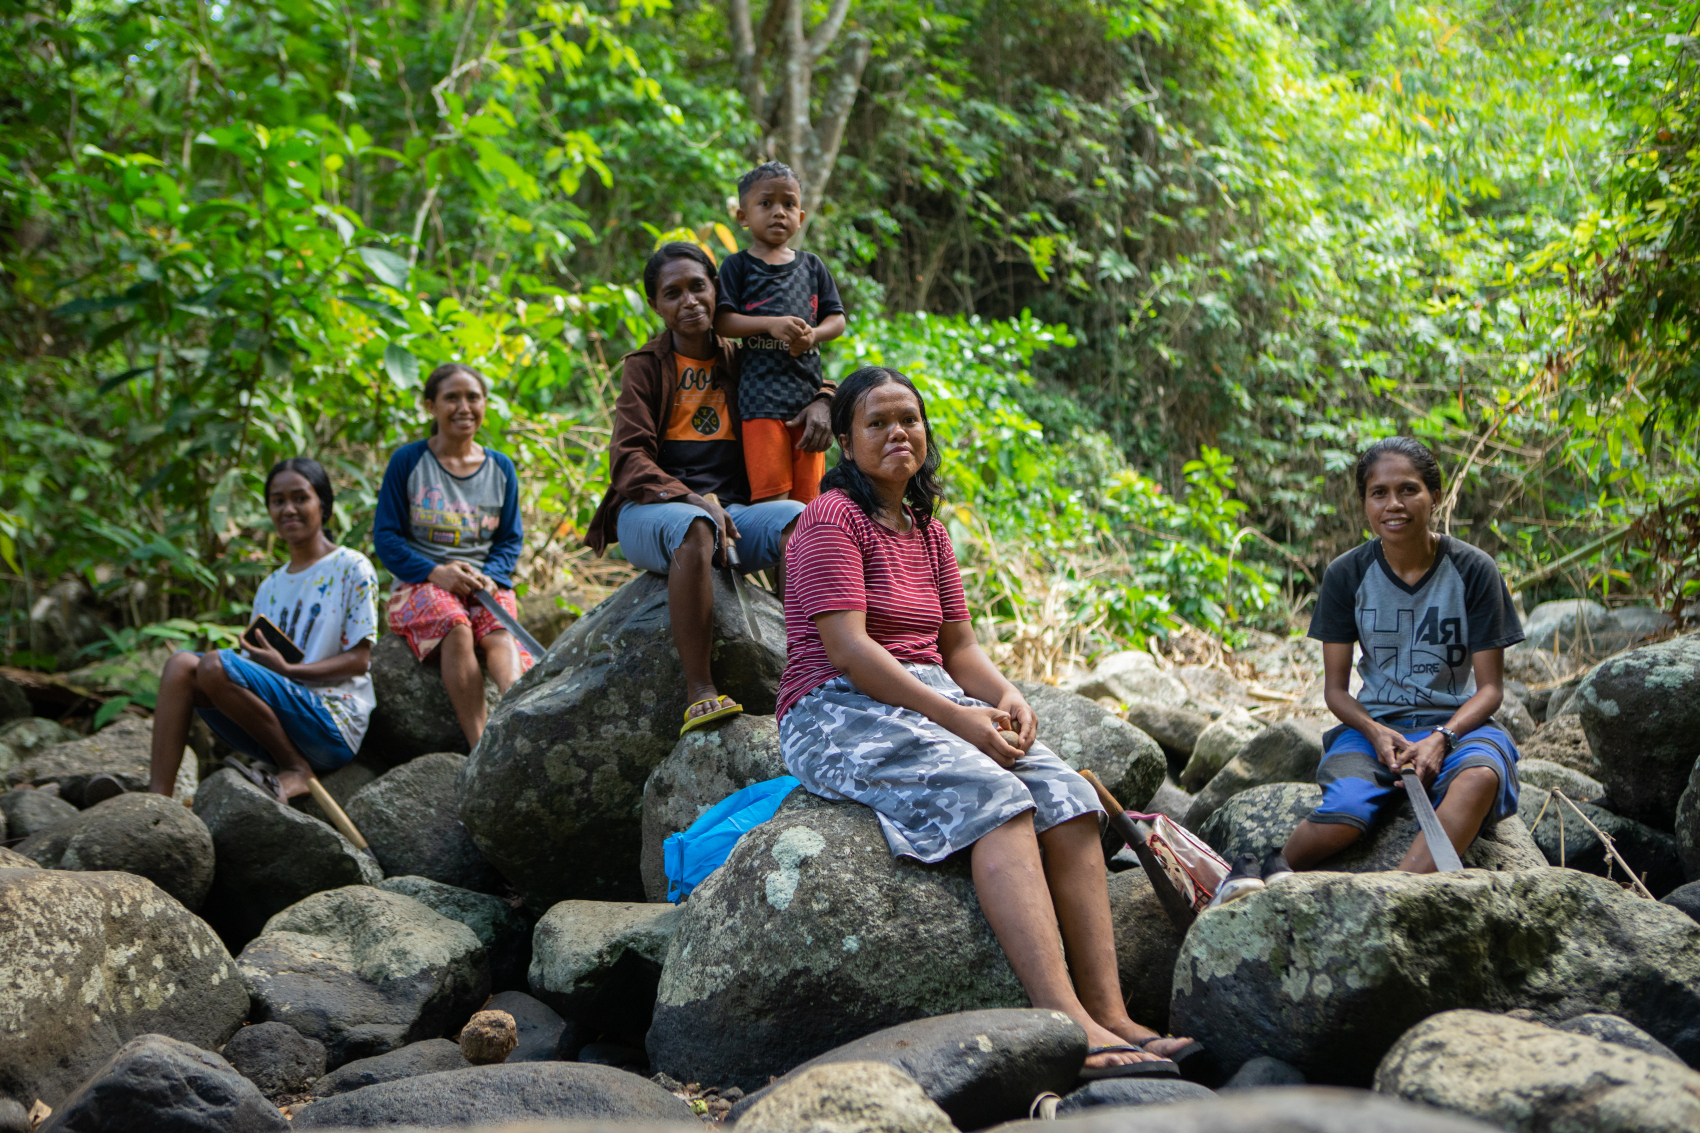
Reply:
x=772, y=383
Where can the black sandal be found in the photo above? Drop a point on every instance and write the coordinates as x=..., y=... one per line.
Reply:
x=1162, y=1068
x=264, y=780
x=1197, y=1064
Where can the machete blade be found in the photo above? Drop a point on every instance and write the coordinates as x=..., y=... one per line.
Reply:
x=507, y=622
x=1439, y=845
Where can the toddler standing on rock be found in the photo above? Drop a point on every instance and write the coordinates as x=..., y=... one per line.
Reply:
x=783, y=304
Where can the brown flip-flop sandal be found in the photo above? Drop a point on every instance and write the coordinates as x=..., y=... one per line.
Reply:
x=264, y=780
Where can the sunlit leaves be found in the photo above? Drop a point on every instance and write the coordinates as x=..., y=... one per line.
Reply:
x=391, y=269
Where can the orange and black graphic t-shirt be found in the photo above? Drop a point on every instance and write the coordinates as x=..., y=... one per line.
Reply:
x=697, y=442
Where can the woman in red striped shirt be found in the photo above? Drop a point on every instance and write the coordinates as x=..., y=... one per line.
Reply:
x=889, y=701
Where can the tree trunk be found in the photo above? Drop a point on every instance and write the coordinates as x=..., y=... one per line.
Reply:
x=785, y=114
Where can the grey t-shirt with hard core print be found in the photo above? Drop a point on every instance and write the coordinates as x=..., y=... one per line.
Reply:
x=1416, y=640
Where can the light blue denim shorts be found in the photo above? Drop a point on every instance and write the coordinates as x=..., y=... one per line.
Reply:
x=650, y=533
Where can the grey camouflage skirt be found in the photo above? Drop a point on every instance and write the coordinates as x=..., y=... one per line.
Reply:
x=934, y=792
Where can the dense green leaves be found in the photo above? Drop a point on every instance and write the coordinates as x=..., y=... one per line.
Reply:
x=1161, y=269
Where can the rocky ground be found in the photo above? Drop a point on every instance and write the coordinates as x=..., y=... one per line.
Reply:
x=503, y=953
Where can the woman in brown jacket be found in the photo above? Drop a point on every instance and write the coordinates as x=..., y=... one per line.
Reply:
x=679, y=488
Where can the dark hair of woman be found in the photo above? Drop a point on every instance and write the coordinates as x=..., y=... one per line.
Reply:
x=443, y=373
x=924, y=490
x=311, y=471
x=666, y=254
x=1412, y=450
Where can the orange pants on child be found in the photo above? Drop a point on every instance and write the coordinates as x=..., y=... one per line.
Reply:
x=776, y=465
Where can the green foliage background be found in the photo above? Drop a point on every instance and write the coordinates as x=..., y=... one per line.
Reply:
x=1162, y=270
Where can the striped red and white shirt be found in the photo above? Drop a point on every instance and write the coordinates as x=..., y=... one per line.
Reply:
x=839, y=559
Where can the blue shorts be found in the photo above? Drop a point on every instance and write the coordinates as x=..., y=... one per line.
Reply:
x=1356, y=787
x=304, y=716
x=648, y=534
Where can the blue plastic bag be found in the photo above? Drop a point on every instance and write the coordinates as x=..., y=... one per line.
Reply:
x=689, y=857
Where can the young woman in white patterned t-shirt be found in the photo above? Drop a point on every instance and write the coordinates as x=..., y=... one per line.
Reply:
x=305, y=717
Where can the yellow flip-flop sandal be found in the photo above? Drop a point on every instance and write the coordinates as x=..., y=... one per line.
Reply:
x=730, y=708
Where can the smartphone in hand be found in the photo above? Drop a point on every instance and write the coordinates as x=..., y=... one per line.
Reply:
x=264, y=629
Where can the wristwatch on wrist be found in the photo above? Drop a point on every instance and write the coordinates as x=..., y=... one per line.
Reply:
x=1450, y=737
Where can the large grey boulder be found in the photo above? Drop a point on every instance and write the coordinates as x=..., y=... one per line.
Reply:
x=1567, y=841
x=410, y=816
x=980, y=1067
x=1087, y=738
x=540, y=1030
x=413, y=716
x=1616, y=1029
x=1638, y=622
x=1686, y=898
x=847, y=1097
x=704, y=767
x=1126, y=676
x=553, y=795
x=1520, y=1075
x=14, y=702
x=509, y=1093
x=598, y=963
x=144, y=834
x=504, y=930
x=1688, y=826
x=1221, y=741
x=1562, y=700
x=121, y=749
x=1534, y=667
x=428, y=1056
x=89, y=961
x=1286, y=1109
x=63, y=620
x=1641, y=713
x=1261, y=819
x=1561, y=740
x=1209, y=685
x=1127, y=1092
x=1169, y=800
x=267, y=857
x=1287, y=751
x=1573, y=625
x=1176, y=730
x=156, y=1082
x=23, y=737
x=1379, y=952
x=11, y=859
x=341, y=785
x=30, y=812
x=277, y=1058
x=1514, y=718
x=1147, y=946
x=1550, y=776
x=812, y=935
x=1262, y=1072
x=364, y=972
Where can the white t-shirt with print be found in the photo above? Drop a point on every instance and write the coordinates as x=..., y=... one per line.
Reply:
x=328, y=609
